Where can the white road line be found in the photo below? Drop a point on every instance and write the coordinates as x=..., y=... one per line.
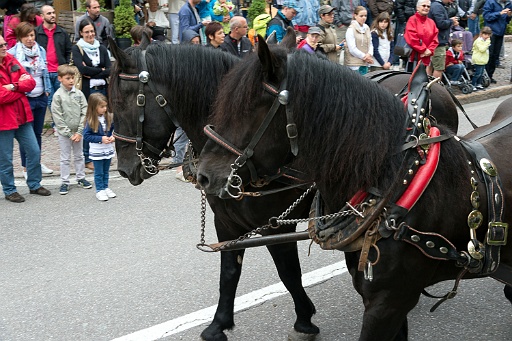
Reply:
x=241, y=303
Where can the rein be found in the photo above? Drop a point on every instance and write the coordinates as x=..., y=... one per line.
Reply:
x=234, y=181
x=150, y=164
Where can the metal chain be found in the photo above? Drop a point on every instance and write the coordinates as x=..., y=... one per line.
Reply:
x=203, y=216
x=280, y=221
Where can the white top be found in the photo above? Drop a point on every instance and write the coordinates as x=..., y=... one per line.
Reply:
x=158, y=17
x=384, y=49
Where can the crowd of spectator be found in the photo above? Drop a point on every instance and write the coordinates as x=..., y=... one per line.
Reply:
x=34, y=51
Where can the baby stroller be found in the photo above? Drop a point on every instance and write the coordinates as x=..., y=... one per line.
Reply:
x=464, y=83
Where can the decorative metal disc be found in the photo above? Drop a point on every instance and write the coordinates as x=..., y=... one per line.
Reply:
x=474, y=183
x=144, y=76
x=475, y=219
x=473, y=252
x=283, y=97
x=422, y=137
x=475, y=199
x=426, y=125
x=488, y=167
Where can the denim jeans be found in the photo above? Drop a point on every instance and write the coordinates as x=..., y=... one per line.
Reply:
x=474, y=26
x=477, y=76
x=86, y=144
x=38, y=106
x=180, y=145
x=454, y=71
x=174, y=21
x=101, y=169
x=26, y=138
x=54, y=86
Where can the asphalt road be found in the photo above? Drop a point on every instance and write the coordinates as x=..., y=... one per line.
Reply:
x=73, y=268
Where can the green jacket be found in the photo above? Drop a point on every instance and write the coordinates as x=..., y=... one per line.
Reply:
x=68, y=111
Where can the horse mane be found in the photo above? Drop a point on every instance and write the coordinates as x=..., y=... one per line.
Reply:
x=180, y=69
x=360, y=124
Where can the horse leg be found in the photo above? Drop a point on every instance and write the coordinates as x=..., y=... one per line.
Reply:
x=386, y=304
x=508, y=292
x=286, y=259
x=230, y=270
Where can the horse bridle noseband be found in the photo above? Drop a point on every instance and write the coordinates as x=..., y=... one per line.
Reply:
x=150, y=164
x=234, y=181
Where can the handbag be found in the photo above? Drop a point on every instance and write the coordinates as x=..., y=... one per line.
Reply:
x=401, y=49
x=78, y=75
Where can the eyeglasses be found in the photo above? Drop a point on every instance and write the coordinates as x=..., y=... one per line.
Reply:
x=3, y=45
x=427, y=6
x=243, y=26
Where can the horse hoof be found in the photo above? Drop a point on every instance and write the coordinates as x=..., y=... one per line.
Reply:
x=294, y=335
x=508, y=292
x=216, y=337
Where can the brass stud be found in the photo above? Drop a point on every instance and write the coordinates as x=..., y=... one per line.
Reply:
x=413, y=101
x=415, y=238
x=405, y=182
x=413, y=120
x=430, y=244
x=417, y=162
x=422, y=110
x=411, y=171
x=419, y=125
x=421, y=117
x=443, y=249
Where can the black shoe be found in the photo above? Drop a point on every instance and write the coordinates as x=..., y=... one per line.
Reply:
x=493, y=81
x=41, y=191
x=14, y=197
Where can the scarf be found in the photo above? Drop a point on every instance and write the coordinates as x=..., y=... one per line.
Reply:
x=92, y=50
x=29, y=57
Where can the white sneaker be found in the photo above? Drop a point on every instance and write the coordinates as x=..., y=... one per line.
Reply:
x=102, y=195
x=46, y=170
x=110, y=193
x=455, y=82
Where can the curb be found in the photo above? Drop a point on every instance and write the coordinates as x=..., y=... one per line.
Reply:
x=495, y=92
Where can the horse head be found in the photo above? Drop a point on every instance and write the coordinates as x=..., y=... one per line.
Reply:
x=261, y=94
x=143, y=128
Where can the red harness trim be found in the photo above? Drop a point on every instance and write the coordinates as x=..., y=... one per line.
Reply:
x=424, y=175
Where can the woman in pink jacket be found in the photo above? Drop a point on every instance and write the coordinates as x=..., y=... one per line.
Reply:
x=16, y=123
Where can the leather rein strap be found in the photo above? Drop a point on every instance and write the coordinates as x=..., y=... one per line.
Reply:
x=144, y=78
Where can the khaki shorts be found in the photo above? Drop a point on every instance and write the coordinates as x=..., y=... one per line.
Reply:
x=439, y=58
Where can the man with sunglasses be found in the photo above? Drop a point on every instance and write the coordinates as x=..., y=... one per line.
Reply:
x=16, y=123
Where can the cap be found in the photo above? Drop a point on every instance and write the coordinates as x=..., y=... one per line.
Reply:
x=291, y=4
x=314, y=30
x=324, y=9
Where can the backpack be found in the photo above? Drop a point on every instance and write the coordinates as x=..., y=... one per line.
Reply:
x=260, y=23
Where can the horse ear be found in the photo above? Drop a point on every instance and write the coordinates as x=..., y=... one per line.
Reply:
x=120, y=56
x=145, y=41
x=290, y=39
x=271, y=39
x=266, y=58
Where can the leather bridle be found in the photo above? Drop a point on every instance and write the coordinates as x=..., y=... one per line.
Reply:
x=234, y=181
x=150, y=164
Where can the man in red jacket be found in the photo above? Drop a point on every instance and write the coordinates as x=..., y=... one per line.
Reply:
x=16, y=123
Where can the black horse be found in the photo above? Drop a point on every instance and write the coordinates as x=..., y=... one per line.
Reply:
x=349, y=134
x=187, y=77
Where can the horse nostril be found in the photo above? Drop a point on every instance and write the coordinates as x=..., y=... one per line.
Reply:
x=203, y=180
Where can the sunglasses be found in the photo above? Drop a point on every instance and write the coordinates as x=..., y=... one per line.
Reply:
x=427, y=6
x=3, y=45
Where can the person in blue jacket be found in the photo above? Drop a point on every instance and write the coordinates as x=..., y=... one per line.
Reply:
x=283, y=19
x=497, y=15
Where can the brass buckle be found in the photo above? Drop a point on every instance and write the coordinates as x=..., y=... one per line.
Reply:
x=496, y=226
